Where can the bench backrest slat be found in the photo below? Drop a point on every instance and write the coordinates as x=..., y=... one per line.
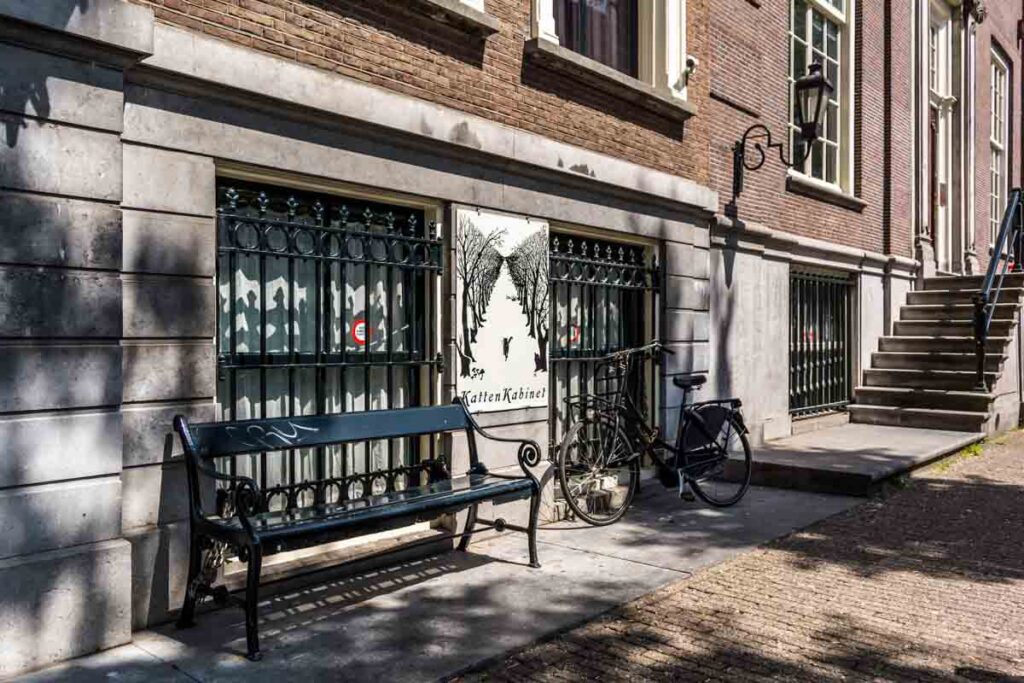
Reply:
x=217, y=439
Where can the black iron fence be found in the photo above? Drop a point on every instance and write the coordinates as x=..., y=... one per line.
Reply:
x=820, y=343
x=604, y=297
x=325, y=305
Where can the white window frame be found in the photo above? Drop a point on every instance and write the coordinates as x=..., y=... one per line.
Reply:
x=843, y=95
x=999, y=136
x=661, y=43
x=478, y=5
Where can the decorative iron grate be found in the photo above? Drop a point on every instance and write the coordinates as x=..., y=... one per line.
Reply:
x=604, y=297
x=820, y=343
x=325, y=305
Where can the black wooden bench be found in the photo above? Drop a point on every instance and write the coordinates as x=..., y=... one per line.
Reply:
x=246, y=522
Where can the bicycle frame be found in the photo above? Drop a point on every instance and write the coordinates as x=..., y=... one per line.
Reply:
x=623, y=412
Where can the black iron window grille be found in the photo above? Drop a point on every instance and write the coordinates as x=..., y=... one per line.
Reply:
x=605, y=299
x=325, y=305
x=820, y=343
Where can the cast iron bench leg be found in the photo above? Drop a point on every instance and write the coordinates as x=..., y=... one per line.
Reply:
x=534, y=515
x=188, y=607
x=252, y=599
x=467, y=532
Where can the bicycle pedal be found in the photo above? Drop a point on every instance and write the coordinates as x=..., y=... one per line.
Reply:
x=685, y=492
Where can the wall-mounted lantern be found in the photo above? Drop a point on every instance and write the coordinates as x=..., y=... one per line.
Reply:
x=812, y=92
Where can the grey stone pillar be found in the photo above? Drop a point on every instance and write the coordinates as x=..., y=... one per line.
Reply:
x=169, y=359
x=65, y=569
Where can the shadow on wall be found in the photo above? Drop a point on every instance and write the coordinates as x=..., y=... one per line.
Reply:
x=33, y=303
x=420, y=27
x=565, y=87
x=723, y=313
x=33, y=97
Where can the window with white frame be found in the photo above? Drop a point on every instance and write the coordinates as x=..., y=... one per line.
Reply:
x=998, y=137
x=604, y=30
x=645, y=39
x=820, y=31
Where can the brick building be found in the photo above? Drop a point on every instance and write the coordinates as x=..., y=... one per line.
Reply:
x=137, y=130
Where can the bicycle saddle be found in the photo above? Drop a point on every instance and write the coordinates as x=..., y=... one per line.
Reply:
x=690, y=381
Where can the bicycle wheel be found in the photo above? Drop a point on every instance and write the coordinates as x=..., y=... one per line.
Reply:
x=724, y=476
x=598, y=471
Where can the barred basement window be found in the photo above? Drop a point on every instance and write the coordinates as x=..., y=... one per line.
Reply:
x=325, y=305
x=604, y=297
x=820, y=343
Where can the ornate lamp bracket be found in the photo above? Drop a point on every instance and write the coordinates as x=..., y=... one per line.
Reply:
x=760, y=138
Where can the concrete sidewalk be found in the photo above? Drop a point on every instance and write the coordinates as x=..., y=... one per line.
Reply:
x=924, y=585
x=435, y=617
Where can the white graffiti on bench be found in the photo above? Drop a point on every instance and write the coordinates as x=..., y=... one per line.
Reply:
x=272, y=438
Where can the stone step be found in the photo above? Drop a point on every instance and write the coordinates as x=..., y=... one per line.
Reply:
x=958, y=296
x=854, y=459
x=934, y=361
x=1004, y=311
x=922, y=418
x=970, y=281
x=940, y=344
x=971, y=401
x=951, y=328
x=953, y=380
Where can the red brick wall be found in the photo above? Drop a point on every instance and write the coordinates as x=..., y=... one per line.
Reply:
x=393, y=45
x=748, y=74
x=1000, y=29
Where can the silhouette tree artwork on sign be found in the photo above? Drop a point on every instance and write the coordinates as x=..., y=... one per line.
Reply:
x=528, y=268
x=502, y=325
x=478, y=264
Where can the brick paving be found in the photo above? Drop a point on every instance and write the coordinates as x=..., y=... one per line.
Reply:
x=926, y=584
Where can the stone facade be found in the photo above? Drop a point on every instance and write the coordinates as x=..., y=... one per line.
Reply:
x=108, y=182
x=119, y=117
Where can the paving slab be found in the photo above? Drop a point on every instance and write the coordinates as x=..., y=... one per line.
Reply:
x=426, y=619
x=852, y=459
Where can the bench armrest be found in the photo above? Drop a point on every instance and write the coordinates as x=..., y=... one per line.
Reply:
x=244, y=494
x=528, y=454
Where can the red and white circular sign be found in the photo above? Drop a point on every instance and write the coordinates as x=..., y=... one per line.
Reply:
x=359, y=331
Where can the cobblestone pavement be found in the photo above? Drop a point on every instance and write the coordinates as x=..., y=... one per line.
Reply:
x=926, y=584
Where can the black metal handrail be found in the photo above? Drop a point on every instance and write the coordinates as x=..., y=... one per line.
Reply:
x=1005, y=251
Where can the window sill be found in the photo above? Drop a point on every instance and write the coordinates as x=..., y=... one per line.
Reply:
x=456, y=13
x=608, y=80
x=798, y=183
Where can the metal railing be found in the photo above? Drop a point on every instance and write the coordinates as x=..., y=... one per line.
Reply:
x=820, y=363
x=604, y=299
x=1006, y=251
x=324, y=306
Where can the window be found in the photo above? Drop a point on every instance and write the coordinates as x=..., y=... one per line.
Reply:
x=645, y=39
x=604, y=30
x=324, y=306
x=820, y=32
x=820, y=342
x=998, y=138
x=604, y=299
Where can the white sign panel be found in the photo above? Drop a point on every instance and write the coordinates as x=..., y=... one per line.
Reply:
x=502, y=310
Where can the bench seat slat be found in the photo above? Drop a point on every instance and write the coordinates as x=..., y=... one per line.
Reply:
x=451, y=494
x=217, y=439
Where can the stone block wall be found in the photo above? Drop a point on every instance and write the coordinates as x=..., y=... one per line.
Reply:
x=115, y=133
x=64, y=565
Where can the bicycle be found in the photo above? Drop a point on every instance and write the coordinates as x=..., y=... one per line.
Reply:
x=599, y=458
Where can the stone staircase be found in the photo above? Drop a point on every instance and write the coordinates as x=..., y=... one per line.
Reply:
x=925, y=374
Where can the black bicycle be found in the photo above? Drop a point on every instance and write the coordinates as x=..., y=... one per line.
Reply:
x=599, y=459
